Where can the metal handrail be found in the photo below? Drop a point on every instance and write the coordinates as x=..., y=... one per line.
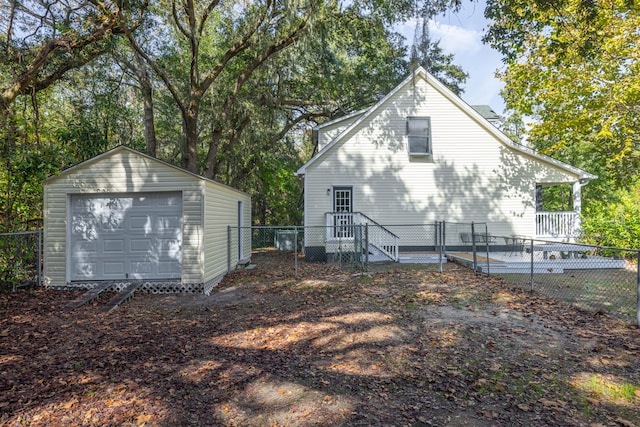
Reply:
x=361, y=219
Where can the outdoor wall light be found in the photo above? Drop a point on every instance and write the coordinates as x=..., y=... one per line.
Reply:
x=328, y=191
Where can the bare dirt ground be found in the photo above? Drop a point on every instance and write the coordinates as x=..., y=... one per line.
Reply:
x=404, y=346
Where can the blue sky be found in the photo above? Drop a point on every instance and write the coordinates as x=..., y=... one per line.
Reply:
x=460, y=33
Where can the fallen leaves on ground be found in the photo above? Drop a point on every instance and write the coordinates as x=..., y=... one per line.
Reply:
x=399, y=346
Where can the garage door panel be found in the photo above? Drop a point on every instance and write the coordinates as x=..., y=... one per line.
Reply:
x=113, y=246
x=120, y=236
x=140, y=245
x=167, y=224
x=111, y=222
x=85, y=270
x=174, y=200
x=141, y=268
x=113, y=268
x=148, y=201
x=167, y=266
x=140, y=223
x=169, y=246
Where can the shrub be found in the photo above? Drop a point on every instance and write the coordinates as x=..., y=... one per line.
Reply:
x=614, y=222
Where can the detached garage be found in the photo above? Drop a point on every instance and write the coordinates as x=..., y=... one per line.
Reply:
x=124, y=216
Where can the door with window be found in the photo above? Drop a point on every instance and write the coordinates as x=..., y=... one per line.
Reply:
x=343, y=212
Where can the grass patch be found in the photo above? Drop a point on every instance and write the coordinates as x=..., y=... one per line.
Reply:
x=606, y=388
x=611, y=290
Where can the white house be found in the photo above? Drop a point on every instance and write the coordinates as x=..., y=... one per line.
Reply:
x=124, y=215
x=421, y=154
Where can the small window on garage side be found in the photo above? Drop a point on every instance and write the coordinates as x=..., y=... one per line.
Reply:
x=419, y=135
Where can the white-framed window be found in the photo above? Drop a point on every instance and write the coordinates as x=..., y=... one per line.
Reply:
x=419, y=135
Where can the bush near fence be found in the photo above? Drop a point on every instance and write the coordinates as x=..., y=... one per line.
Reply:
x=20, y=259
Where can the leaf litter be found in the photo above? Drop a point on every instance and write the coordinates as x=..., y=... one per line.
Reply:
x=398, y=346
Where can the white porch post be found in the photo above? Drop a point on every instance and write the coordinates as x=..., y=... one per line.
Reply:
x=577, y=205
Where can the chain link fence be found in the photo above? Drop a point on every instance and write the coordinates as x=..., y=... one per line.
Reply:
x=20, y=259
x=591, y=277
x=352, y=247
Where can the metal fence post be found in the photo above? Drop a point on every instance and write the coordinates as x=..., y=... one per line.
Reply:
x=473, y=247
x=486, y=243
x=366, y=246
x=444, y=238
x=440, y=231
x=531, y=271
x=39, y=269
x=228, y=249
x=295, y=250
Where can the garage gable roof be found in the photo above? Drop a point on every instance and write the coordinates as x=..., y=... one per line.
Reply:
x=420, y=72
x=124, y=148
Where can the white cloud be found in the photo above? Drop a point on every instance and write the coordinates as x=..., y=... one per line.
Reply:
x=461, y=41
x=461, y=34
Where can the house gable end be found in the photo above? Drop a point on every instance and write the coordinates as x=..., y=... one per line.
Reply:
x=408, y=84
x=124, y=150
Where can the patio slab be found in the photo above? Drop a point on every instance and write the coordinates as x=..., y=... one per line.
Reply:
x=500, y=262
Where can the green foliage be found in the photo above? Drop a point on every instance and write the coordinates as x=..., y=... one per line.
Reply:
x=18, y=260
x=513, y=126
x=614, y=222
x=242, y=84
x=27, y=158
x=83, y=138
x=557, y=198
x=572, y=70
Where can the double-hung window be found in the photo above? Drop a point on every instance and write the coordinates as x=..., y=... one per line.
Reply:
x=419, y=135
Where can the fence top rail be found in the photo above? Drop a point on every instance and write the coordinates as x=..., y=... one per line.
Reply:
x=402, y=225
x=556, y=212
x=541, y=242
x=270, y=227
x=467, y=225
x=18, y=233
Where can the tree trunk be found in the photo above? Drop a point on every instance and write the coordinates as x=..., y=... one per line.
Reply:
x=212, y=154
x=190, y=152
x=147, y=96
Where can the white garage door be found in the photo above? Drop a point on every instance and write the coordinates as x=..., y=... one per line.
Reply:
x=126, y=236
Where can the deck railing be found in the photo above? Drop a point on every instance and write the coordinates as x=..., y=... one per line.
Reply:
x=342, y=226
x=557, y=224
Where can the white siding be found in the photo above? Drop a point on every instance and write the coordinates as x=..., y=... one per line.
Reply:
x=331, y=130
x=472, y=176
x=221, y=211
x=121, y=171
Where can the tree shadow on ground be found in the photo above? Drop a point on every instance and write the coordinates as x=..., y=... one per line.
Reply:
x=401, y=346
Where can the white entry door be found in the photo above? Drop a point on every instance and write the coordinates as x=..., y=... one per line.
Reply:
x=343, y=212
x=125, y=236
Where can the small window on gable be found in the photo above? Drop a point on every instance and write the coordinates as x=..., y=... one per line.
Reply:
x=419, y=135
